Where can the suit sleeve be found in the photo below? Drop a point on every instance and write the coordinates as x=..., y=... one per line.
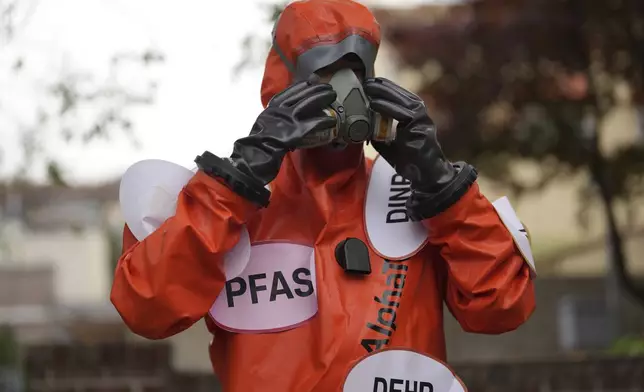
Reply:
x=168, y=281
x=489, y=289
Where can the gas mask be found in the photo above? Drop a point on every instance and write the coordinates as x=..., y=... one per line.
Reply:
x=356, y=123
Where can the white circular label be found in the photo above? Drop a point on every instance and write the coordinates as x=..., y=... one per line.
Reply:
x=400, y=370
x=275, y=291
x=148, y=194
x=390, y=231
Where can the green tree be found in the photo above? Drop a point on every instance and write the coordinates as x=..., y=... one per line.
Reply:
x=115, y=247
x=632, y=345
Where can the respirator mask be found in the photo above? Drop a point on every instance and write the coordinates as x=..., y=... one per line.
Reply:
x=356, y=123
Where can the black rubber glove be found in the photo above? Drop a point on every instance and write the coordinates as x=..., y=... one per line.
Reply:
x=280, y=128
x=416, y=154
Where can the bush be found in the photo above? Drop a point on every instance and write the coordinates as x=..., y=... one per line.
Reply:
x=632, y=345
x=8, y=347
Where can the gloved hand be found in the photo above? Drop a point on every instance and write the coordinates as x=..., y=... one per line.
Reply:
x=416, y=154
x=290, y=116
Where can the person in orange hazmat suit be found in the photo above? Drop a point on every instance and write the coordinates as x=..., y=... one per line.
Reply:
x=309, y=263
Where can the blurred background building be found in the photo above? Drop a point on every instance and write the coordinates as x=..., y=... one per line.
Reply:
x=60, y=238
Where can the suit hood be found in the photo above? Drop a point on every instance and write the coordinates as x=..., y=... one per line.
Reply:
x=312, y=34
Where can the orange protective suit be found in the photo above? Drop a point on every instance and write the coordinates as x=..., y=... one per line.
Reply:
x=168, y=281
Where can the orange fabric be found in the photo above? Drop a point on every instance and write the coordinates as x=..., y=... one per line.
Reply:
x=489, y=288
x=152, y=284
x=167, y=282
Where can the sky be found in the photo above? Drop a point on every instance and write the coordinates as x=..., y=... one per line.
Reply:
x=199, y=105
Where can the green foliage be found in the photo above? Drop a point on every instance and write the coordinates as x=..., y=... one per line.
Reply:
x=115, y=248
x=632, y=345
x=9, y=355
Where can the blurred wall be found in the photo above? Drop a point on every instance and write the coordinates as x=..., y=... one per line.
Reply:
x=541, y=336
x=189, y=348
x=80, y=259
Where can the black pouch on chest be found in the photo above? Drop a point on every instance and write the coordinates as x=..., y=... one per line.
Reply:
x=353, y=256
